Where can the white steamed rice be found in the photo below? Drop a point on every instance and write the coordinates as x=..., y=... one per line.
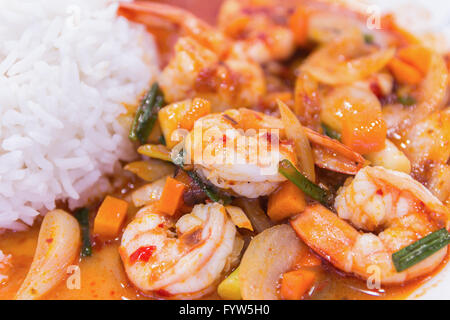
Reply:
x=65, y=68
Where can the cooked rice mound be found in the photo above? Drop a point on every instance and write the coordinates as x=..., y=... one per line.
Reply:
x=66, y=67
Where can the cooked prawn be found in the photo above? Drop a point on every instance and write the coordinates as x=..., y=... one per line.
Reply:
x=182, y=265
x=235, y=158
x=254, y=27
x=249, y=171
x=427, y=144
x=376, y=200
x=345, y=60
x=5, y=264
x=202, y=65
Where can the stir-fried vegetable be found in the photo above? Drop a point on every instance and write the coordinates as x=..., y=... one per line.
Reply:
x=406, y=100
x=417, y=56
x=287, y=169
x=212, y=193
x=270, y=254
x=390, y=157
x=146, y=114
x=420, y=250
x=172, y=197
x=331, y=132
x=239, y=217
x=148, y=193
x=286, y=201
x=404, y=73
x=295, y=284
x=296, y=133
x=363, y=128
x=181, y=115
x=252, y=208
x=82, y=216
x=110, y=216
x=368, y=38
x=57, y=248
x=155, y=151
x=151, y=169
x=230, y=289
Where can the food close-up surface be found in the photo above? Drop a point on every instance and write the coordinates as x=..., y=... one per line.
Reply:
x=224, y=150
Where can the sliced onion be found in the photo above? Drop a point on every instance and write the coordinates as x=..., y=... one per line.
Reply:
x=58, y=246
x=258, y=218
x=328, y=66
x=239, y=217
x=269, y=255
x=295, y=132
x=151, y=169
x=148, y=193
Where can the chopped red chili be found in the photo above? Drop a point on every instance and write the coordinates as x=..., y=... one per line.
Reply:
x=142, y=254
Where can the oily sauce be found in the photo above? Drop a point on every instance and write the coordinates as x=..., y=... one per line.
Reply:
x=102, y=276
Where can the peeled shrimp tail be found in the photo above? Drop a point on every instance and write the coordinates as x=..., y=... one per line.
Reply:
x=162, y=15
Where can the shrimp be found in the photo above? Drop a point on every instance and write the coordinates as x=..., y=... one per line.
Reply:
x=259, y=30
x=5, y=265
x=346, y=60
x=391, y=203
x=185, y=265
x=427, y=145
x=202, y=65
x=233, y=157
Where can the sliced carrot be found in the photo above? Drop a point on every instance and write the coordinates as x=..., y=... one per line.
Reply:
x=181, y=114
x=404, y=73
x=172, y=197
x=295, y=284
x=363, y=129
x=404, y=37
x=298, y=23
x=199, y=108
x=286, y=201
x=110, y=217
x=416, y=56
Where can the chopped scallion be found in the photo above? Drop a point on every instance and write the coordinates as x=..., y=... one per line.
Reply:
x=333, y=134
x=146, y=115
x=287, y=169
x=420, y=250
x=368, y=38
x=406, y=100
x=210, y=191
x=82, y=215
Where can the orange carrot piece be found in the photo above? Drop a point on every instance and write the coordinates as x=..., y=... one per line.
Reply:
x=298, y=23
x=363, y=129
x=404, y=37
x=172, y=197
x=199, y=108
x=416, y=56
x=404, y=73
x=286, y=201
x=295, y=284
x=110, y=217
